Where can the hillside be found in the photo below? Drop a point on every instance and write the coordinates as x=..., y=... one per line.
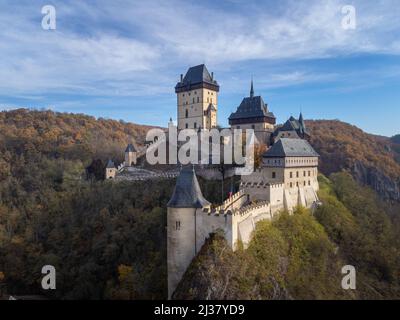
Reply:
x=64, y=135
x=104, y=237
x=372, y=160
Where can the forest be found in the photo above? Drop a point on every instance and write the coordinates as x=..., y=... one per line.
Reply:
x=108, y=240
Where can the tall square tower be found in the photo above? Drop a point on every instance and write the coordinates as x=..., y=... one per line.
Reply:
x=197, y=99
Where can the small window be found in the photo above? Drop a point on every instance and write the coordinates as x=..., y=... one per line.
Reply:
x=273, y=175
x=304, y=174
x=178, y=225
x=291, y=184
x=187, y=126
x=186, y=113
x=297, y=174
x=195, y=125
x=193, y=99
x=291, y=175
x=253, y=126
x=198, y=99
x=309, y=182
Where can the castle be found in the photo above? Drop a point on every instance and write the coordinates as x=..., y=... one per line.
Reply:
x=286, y=178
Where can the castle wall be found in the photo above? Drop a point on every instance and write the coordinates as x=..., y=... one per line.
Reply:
x=195, y=102
x=262, y=131
x=110, y=173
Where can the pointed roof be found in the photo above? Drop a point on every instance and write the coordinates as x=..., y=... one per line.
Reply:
x=252, y=107
x=302, y=124
x=286, y=147
x=293, y=124
x=187, y=193
x=110, y=164
x=197, y=76
x=251, y=89
x=130, y=148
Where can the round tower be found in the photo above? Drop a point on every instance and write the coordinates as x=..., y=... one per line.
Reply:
x=183, y=208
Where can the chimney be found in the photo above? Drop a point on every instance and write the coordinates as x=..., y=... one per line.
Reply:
x=181, y=77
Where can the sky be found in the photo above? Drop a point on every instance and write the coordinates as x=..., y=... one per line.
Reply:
x=122, y=59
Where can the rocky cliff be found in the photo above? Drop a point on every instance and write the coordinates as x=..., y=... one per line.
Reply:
x=372, y=160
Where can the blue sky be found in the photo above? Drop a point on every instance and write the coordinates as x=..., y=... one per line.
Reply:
x=122, y=59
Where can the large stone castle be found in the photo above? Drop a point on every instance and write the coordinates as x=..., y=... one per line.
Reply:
x=287, y=177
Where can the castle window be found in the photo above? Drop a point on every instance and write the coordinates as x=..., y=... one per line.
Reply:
x=195, y=92
x=198, y=99
x=183, y=94
x=297, y=174
x=309, y=173
x=291, y=184
x=177, y=225
x=186, y=113
x=304, y=183
x=253, y=126
x=273, y=175
x=195, y=125
x=309, y=182
x=291, y=175
x=304, y=174
x=186, y=125
x=193, y=99
x=297, y=184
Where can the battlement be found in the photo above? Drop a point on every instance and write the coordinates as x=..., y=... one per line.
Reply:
x=258, y=207
x=260, y=184
x=234, y=202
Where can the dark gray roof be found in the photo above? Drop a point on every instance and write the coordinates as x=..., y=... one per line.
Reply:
x=187, y=193
x=286, y=147
x=293, y=125
x=252, y=107
x=110, y=164
x=130, y=148
x=197, y=75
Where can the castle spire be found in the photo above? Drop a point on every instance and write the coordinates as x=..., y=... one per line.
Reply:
x=251, y=89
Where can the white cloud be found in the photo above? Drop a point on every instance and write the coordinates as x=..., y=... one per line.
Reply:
x=122, y=48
